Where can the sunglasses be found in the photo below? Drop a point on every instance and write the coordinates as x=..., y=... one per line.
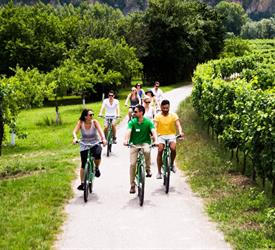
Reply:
x=111, y=95
x=147, y=102
x=135, y=111
x=90, y=114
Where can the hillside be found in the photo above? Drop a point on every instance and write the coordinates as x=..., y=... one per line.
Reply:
x=256, y=9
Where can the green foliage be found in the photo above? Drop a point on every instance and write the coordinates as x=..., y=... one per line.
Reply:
x=242, y=210
x=233, y=16
x=240, y=110
x=235, y=47
x=264, y=28
x=172, y=40
x=111, y=62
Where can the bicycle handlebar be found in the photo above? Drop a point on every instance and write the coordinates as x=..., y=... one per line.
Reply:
x=139, y=147
x=109, y=116
x=175, y=137
x=89, y=144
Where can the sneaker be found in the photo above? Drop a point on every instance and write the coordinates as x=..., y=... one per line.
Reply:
x=97, y=172
x=114, y=140
x=148, y=173
x=81, y=187
x=173, y=169
x=132, y=189
x=159, y=176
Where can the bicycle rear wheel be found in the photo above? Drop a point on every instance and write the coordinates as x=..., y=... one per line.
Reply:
x=166, y=179
x=141, y=184
x=86, y=181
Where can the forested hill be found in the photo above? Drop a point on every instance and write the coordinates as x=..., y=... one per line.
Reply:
x=255, y=8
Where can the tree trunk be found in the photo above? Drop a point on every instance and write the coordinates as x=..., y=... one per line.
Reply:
x=56, y=112
x=273, y=185
x=12, y=138
x=244, y=163
x=1, y=132
x=237, y=155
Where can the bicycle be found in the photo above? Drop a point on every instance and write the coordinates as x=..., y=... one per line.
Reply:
x=166, y=163
x=89, y=170
x=140, y=172
x=109, y=135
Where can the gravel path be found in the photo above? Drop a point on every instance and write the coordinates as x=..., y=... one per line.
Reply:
x=113, y=219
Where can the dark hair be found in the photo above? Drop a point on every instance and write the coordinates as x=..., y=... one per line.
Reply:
x=111, y=92
x=165, y=102
x=83, y=114
x=138, y=84
x=149, y=91
x=140, y=108
x=156, y=83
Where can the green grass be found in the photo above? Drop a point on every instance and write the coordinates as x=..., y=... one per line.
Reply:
x=244, y=212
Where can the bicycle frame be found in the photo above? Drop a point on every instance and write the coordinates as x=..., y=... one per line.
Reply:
x=89, y=171
x=140, y=172
x=167, y=163
x=109, y=134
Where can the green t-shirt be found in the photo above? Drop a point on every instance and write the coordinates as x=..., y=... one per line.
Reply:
x=141, y=132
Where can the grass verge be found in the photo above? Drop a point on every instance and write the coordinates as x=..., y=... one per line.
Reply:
x=244, y=212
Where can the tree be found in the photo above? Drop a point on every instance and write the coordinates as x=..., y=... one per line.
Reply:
x=24, y=90
x=179, y=34
x=31, y=36
x=110, y=56
x=234, y=16
x=264, y=28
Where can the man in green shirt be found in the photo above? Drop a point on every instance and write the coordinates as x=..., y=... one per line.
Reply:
x=139, y=133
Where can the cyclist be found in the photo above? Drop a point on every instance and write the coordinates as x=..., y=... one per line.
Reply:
x=139, y=133
x=153, y=100
x=157, y=93
x=140, y=91
x=166, y=125
x=111, y=105
x=149, y=110
x=134, y=101
x=89, y=129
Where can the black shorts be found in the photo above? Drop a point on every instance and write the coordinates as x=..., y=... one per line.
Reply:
x=95, y=151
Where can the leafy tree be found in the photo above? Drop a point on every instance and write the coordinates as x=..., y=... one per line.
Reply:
x=31, y=36
x=111, y=56
x=261, y=29
x=235, y=47
x=24, y=90
x=234, y=16
x=179, y=34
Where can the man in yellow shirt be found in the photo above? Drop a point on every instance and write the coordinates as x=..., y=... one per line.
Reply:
x=167, y=124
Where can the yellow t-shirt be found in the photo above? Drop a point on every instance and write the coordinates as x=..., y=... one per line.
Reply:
x=166, y=125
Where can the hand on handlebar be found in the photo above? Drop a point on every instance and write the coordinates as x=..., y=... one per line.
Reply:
x=104, y=142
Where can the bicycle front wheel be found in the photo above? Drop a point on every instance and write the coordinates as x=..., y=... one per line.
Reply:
x=141, y=184
x=166, y=175
x=86, y=181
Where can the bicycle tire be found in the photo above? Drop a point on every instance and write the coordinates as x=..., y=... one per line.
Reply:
x=86, y=182
x=141, y=185
x=167, y=175
x=109, y=142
